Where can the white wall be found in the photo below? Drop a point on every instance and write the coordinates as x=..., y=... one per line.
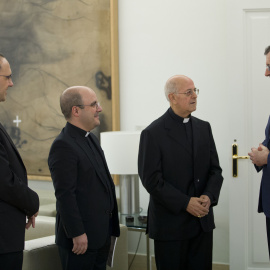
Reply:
x=158, y=39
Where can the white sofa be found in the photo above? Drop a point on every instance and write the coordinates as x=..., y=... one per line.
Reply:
x=41, y=252
x=47, y=203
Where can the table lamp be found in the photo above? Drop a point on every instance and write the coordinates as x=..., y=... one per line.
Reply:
x=121, y=152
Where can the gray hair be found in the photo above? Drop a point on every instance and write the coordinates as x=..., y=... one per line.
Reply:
x=267, y=50
x=170, y=87
x=1, y=59
x=69, y=98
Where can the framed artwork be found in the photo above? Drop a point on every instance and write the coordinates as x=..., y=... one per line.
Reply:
x=52, y=45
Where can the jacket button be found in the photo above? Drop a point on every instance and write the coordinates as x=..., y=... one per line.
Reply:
x=198, y=180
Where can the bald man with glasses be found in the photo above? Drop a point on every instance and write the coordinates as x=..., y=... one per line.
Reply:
x=179, y=167
x=17, y=200
x=87, y=214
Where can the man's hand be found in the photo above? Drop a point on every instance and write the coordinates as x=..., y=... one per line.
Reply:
x=207, y=201
x=80, y=244
x=259, y=155
x=195, y=206
x=31, y=221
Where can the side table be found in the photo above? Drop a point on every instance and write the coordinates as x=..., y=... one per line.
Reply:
x=137, y=226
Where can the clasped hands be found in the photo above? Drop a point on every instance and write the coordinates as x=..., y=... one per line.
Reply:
x=259, y=155
x=199, y=207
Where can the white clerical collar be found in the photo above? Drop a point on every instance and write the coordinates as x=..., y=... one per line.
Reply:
x=185, y=120
x=87, y=133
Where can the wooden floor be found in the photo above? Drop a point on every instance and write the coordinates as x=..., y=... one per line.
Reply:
x=139, y=263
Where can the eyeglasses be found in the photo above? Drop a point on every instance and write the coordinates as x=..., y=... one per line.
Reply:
x=190, y=92
x=268, y=67
x=9, y=77
x=94, y=104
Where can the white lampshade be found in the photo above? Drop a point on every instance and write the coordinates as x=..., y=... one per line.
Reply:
x=121, y=151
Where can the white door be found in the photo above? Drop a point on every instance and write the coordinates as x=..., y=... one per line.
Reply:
x=249, y=34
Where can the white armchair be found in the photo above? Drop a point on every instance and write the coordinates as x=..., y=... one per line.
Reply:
x=41, y=252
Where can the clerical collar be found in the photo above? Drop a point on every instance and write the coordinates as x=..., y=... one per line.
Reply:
x=185, y=120
x=177, y=117
x=80, y=131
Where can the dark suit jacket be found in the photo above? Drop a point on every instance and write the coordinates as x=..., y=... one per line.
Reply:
x=17, y=200
x=82, y=195
x=264, y=197
x=164, y=167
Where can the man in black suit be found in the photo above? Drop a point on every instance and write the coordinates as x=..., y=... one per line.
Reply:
x=87, y=212
x=17, y=200
x=259, y=157
x=179, y=167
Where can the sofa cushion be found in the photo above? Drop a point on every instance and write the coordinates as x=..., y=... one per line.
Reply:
x=47, y=210
x=45, y=226
x=41, y=254
x=46, y=196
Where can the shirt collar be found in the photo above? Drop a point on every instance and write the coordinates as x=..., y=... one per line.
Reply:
x=179, y=118
x=80, y=131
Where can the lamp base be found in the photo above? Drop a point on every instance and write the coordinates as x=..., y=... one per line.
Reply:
x=129, y=194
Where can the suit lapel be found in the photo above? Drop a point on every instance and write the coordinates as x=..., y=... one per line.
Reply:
x=267, y=135
x=196, y=135
x=102, y=156
x=12, y=144
x=82, y=143
x=176, y=132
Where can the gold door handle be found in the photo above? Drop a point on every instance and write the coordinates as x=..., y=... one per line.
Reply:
x=235, y=158
x=240, y=157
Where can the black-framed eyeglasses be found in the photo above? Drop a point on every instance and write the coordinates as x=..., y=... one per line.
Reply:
x=190, y=92
x=9, y=77
x=94, y=104
x=268, y=67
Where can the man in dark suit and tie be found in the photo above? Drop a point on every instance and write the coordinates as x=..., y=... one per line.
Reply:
x=179, y=167
x=87, y=214
x=17, y=200
x=259, y=157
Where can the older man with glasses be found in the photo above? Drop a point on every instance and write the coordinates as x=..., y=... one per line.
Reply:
x=259, y=157
x=179, y=167
x=17, y=200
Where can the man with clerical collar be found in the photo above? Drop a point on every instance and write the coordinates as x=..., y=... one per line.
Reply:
x=17, y=200
x=179, y=167
x=87, y=214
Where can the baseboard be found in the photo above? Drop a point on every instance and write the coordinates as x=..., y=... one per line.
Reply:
x=139, y=263
x=217, y=266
